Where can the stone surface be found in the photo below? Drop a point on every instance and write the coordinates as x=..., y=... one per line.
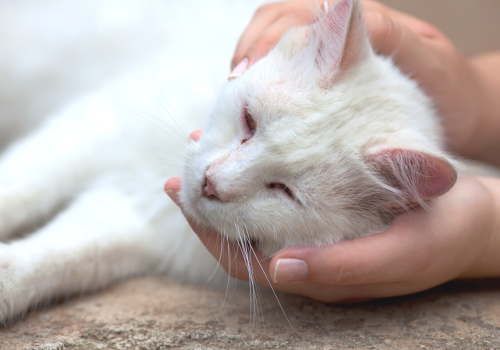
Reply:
x=158, y=313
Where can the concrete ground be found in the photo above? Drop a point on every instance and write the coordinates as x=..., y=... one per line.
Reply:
x=155, y=313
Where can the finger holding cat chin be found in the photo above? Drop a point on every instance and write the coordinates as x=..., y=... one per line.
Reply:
x=422, y=249
x=227, y=253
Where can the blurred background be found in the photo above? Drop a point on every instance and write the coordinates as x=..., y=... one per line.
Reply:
x=473, y=25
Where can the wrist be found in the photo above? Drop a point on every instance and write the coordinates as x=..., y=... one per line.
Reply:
x=485, y=141
x=487, y=258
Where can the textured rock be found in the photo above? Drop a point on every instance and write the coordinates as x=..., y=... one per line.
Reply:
x=158, y=313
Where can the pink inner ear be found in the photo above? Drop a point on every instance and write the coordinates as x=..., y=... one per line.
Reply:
x=334, y=34
x=341, y=39
x=419, y=175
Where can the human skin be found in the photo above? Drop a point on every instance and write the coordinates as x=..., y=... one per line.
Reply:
x=458, y=236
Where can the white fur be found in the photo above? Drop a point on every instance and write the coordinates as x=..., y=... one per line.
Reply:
x=87, y=184
x=85, y=187
x=311, y=138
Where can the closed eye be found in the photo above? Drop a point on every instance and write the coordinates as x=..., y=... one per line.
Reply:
x=250, y=126
x=282, y=187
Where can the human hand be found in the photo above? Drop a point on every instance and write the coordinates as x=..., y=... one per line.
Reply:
x=458, y=237
x=418, y=48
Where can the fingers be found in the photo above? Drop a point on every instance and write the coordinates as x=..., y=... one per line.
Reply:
x=243, y=261
x=422, y=248
x=385, y=14
x=172, y=188
x=240, y=260
x=391, y=32
x=267, y=26
x=391, y=37
x=373, y=259
x=269, y=37
x=196, y=135
x=263, y=18
x=413, y=44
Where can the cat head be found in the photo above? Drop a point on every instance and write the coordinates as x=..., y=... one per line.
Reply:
x=319, y=141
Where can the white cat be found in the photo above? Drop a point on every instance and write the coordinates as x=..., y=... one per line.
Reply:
x=322, y=140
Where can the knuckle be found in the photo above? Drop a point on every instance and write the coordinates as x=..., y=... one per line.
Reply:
x=299, y=17
x=386, y=33
x=344, y=272
x=265, y=8
x=260, y=47
x=388, y=29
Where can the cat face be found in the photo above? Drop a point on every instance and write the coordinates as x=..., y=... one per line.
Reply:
x=320, y=141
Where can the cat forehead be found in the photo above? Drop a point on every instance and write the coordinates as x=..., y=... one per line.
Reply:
x=278, y=89
x=374, y=100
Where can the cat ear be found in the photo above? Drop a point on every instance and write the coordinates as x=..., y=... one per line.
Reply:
x=340, y=40
x=411, y=177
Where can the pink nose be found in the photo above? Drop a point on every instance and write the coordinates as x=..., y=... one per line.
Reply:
x=209, y=189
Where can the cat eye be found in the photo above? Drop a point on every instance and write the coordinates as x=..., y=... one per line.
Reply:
x=282, y=187
x=250, y=122
x=251, y=125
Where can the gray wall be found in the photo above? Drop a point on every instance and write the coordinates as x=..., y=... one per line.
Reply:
x=473, y=25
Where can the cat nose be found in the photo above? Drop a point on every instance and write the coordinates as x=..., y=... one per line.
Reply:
x=209, y=189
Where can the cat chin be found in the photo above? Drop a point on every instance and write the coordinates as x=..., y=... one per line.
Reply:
x=269, y=248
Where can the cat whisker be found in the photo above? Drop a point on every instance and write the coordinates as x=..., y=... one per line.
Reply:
x=143, y=114
x=180, y=144
x=255, y=308
x=161, y=156
x=274, y=292
x=260, y=300
x=228, y=278
x=166, y=166
x=183, y=128
x=220, y=258
x=244, y=252
x=171, y=113
x=138, y=139
x=152, y=119
x=166, y=162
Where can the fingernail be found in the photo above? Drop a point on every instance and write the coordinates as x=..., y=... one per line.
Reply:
x=290, y=270
x=239, y=69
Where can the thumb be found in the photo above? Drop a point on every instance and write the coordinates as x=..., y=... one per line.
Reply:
x=172, y=188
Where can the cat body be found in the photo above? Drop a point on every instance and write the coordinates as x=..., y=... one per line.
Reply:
x=343, y=141
x=85, y=188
